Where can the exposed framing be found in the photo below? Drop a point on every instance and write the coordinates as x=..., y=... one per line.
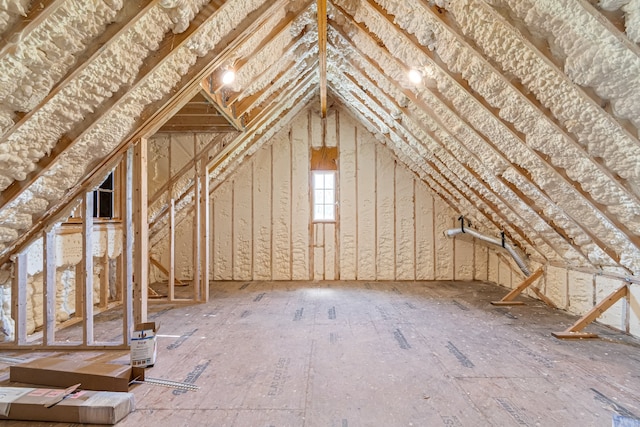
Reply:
x=88, y=304
x=575, y=331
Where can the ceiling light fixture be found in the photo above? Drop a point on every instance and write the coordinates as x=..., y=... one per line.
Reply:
x=415, y=76
x=228, y=77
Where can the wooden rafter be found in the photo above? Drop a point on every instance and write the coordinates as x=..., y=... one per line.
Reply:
x=268, y=115
x=257, y=121
x=219, y=100
x=284, y=25
x=356, y=80
x=553, y=168
x=39, y=11
x=130, y=13
x=322, y=54
x=444, y=193
x=248, y=103
x=156, y=113
x=433, y=170
x=415, y=100
x=462, y=188
x=630, y=234
x=250, y=116
x=220, y=95
x=170, y=43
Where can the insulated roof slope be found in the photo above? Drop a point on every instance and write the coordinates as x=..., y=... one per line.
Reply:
x=526, y=120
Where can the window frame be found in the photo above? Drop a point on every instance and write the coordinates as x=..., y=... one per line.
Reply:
x=333, y=189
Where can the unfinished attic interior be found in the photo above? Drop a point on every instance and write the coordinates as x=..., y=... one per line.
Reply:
x=340, y=212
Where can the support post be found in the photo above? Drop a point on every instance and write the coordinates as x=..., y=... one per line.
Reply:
x=172, y=249
x=49, y=297
x=87, y=268
x=128, y=270
x=196, y=232
x=141, y=233
x=19, y=297
x=509, y=298
x=573, y=331
x=104, y=280
x=204, y=230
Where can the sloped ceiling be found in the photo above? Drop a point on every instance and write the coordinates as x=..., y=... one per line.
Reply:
x=526, y=120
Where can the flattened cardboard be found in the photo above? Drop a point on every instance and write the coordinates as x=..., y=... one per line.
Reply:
x=91, y=407
x=144, y=346
x=59, y=372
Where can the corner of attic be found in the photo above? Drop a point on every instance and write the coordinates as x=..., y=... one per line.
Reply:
x=524, y=129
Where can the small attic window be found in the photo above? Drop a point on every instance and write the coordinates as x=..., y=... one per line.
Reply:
x=324, y=196
x=103, y=197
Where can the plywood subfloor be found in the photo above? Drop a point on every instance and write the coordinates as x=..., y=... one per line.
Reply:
x=379, y=354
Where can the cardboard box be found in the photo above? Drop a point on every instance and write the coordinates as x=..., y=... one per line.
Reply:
x=92, y=407
x=59, y=372
x=144, y=346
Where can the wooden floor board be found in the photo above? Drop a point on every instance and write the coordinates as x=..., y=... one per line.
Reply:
x=343, y=354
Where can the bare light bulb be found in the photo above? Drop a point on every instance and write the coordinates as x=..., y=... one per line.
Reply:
x=228, y=77
x=415, y=76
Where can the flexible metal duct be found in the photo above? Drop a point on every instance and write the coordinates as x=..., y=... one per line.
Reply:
x=493, y=241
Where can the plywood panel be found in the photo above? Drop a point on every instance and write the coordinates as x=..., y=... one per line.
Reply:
x=385, y=212
x=348, y=198
x=242, y=225
x=425, y=249
x=281, y=208
x=300, y=199
x=221, y=231
x=405, y=224
x=262, y=214
x=366, y=205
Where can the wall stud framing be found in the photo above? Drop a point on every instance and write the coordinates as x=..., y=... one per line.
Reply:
x=86, y=281
x=49, y=296
x=19, y=297
x=204, y=240
x=172, y=249
x=141, y=233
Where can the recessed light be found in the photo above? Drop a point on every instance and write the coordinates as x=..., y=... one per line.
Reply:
x=415, y=76
x=228, y=77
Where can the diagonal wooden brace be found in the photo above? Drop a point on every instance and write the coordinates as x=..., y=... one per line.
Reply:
x=164, y=270
x=573, y=331
x=509, y=298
